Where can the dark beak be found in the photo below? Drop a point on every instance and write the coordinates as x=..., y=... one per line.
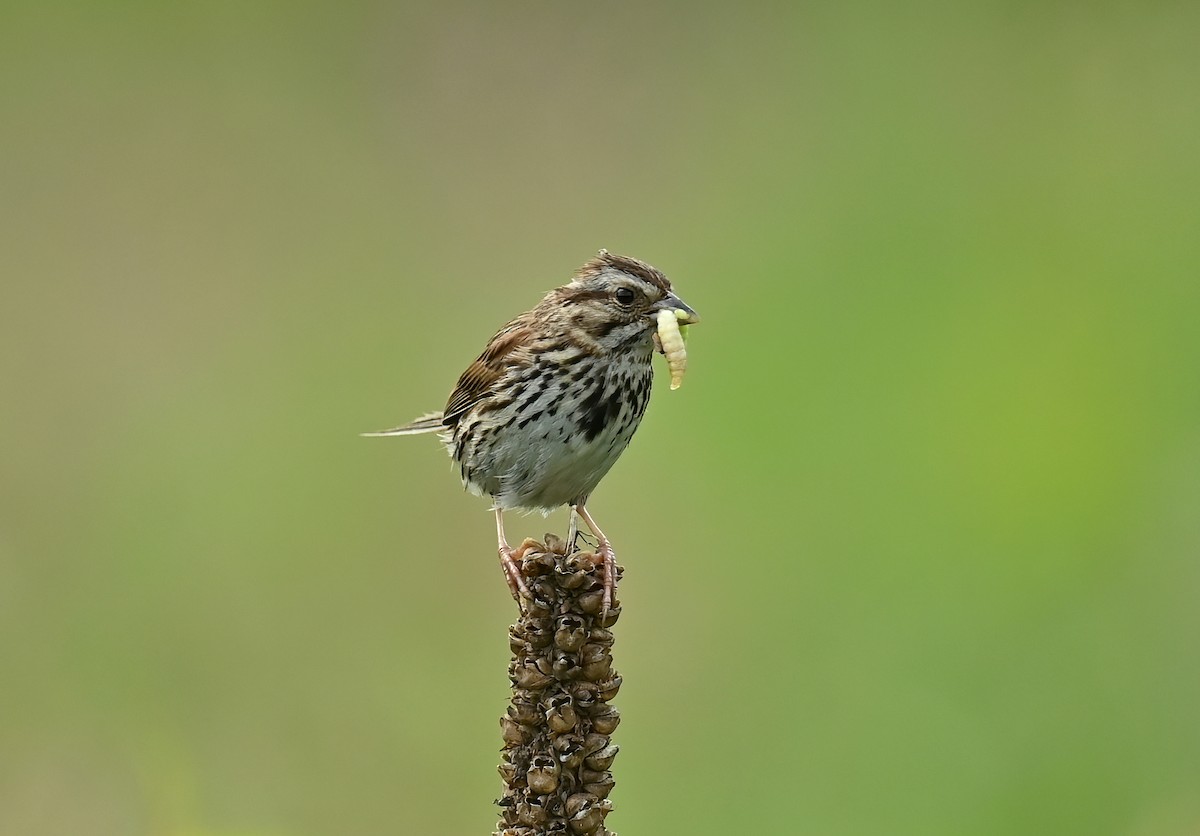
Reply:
x=684, y=313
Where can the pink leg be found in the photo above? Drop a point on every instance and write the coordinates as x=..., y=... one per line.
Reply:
x=512, y=573
x=572, y=530
x=607, y=555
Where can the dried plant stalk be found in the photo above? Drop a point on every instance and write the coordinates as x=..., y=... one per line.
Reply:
x=557, y=745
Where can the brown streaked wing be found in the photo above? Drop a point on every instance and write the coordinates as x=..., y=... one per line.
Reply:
x=476, y=382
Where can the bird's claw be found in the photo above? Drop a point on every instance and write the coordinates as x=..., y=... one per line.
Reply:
x=512, y=574
x=609, y=558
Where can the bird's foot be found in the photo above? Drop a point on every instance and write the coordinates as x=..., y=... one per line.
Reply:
x=509, y=558
x=580, y=537
x=608, y=557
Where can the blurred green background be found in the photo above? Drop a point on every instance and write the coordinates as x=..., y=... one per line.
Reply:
x=930, y=567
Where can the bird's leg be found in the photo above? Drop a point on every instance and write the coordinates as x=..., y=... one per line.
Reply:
x=512, y=572
x=605, y=551
x=572, y=530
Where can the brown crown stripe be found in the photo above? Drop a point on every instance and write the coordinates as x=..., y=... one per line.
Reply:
x=626, y=264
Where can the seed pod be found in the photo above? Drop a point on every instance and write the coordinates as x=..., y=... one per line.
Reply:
x=600, y=669
x=608, y=690
x=585, y=695
x=566, y=666
x=531, y=813
x=673, y=347
x=602, y=636
x=514, y=733
x=594, y=743
x=528, y=677
x=508, y=771
x=603, y=759
x=562, y=717
x=590, y=602
x=525, y=711
x=536, y=634
x=605, y=718
x=574, y=573
x=535, y=561
x=592, y=652
x=602, y=786
x=596, y=662
x=570, y=634
x=572, y=758
x=585, y=813
x=579, y=801
x=610, y=617
x=579, y=562
x=519, y=757
x=542, y=777
x=542, y=601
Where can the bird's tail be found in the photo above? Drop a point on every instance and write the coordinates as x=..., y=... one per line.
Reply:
x=430, y=423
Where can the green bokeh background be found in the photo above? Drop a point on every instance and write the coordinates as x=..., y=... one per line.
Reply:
x=913, y=551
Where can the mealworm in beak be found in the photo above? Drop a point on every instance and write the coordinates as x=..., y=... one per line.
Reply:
x=672, y=346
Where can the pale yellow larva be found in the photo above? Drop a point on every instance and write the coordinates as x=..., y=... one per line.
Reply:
x=673, y=347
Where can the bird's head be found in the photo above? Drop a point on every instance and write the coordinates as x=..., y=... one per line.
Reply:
x=614, y=300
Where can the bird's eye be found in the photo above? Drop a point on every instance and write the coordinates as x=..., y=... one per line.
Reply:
x=625, y=296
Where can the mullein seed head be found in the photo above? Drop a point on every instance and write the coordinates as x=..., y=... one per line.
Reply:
x=557, y=746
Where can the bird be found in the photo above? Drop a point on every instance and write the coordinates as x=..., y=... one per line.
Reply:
x=539, y=418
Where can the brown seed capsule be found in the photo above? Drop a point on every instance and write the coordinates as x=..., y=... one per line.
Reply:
x=570, y=750
x=592, y=652
x=528, y=676
x=570, y=633
x=585, y=813
x=534, y=561
x=610, y=617
x=605, y=718
x=561, y=717
x=601, y=636
x=608, y=690
x=573, y=577
x=518, y=645
x=580, y=801
x=514, y=733
x=585, y=695
x=603, y=759
x=579, y=562
x=594, y=743
x=590, y=602
x=542, y=777
x=537, y=635
x=540, y=604
x=601, y=787
x=565, y=667
x=525, y=711
x=597, y=670
x=563, y=742
x=531, y=812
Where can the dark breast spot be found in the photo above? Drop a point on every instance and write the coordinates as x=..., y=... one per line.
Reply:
x=597, y=410
x=533, y=416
